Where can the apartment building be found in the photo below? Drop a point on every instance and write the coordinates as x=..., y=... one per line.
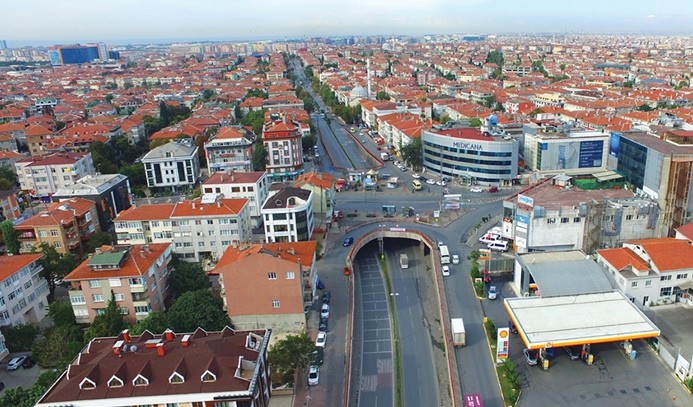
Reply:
x=199, y=228
x=252, y=186
x=555, y=215
x=283, y=140
x=37, y=138
x=64, y=225
x=42, y=176
x=269, y=285
x=225, y=368
x=137, y=275
x=9, y=206
x=174, y=165
x=322, y=187
x=288, y=216
x=4, y=352
x=22, y=291
x=652, y=271
x=231, y=149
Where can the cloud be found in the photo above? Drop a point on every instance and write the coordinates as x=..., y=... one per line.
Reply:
x=650, y=16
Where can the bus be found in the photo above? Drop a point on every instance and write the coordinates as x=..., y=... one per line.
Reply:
x=416, y=184
x=444, y=255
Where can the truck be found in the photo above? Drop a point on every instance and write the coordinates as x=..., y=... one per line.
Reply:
x=403, y=261
x=458, y=336
x=385, y=156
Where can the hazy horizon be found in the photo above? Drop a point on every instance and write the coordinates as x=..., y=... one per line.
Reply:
x=41, y=23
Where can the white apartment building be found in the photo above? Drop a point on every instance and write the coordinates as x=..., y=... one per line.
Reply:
x=199, y=228
x=231, y=149
x=42, y=176
x=288, y=216
x=252, y=186
x=174, y=165
x=22, y=290
x=4, y=352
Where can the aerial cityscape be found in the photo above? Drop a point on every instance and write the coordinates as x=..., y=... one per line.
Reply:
x=392, y=203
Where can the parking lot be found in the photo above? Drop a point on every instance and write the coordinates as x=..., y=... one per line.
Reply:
x=20, y=377
x=612, y=380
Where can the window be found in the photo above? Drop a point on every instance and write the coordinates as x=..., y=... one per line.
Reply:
x=634, y=284
x=175, y=378
x=57, y=245
x=576, y=220
x=54, y=232
x=665, y=291
x=272, y=275
x=290, y=275
x=97, y=297
x=565, y=220
x=275, y=303
x=681, y=276
x=43, y=233
x=648, y=283
x=77, y=299
x=140, y=381
x=94, y=283
x=551, y=221
x=629, y=217
x=665, y=278
x=119, y=296
x=114, y=282
x=208, y=377
x=210, y=221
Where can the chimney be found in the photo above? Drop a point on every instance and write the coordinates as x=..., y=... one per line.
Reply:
x=117, y=347
x=222, y=177
x=160, y=349
x=169, y=335
x=193, y=204
x=300, y=267
x=185, y=341
x=126, y=335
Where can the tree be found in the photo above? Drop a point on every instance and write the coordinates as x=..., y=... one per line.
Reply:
x=187, y=277
x=412, y=154
x=259, y=155
x=97, y=240
x=495, y=57
x=108, y=98
x=9, y=236
x=382, y=95
x=110, y=323
x=20, y=337
x=135, y=172
x=535, y=112
x=645, y=108
x=197, y=309
x=158, y=142
x=289, y=354
x=444, y=118
x=9, y=175
x=475, y=122
x=59, y=347
x=55, y=267
x=207, y=94
x=61, y=313
x=156, y=322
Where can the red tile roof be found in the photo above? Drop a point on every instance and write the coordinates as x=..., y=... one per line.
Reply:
x=235, y=178
x=667, y=254
x=146, y=212
x=622, y=257
x=11, y=264
x=137, y=263
x=223, y=207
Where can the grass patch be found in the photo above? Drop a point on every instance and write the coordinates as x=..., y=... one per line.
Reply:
x=395, y=334
x=507, y=372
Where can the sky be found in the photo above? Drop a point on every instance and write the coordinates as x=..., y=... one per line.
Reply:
x=45, y=22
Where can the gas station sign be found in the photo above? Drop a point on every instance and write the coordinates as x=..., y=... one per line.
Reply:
x=502, y=344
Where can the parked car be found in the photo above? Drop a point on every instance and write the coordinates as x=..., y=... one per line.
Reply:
x=415, y=175
x=446, y=271
x=430, y=182
x=492, y=292
x=325, y=311
x=498, y=245
x=493, y=189
x=348, y=241
x=455, y=259
x=323, y=325
x=28, y=363
x=490, y=238
x=2, y=385
x=422, y=178
x=441, y=183
x=513, y=328
x=313, y=376
x=573, y=353
x=530, y=356
x=326, y=297
x=14, y=363
x=440, y=243
x=317, y=356
x=476, y=189
x=321, y=339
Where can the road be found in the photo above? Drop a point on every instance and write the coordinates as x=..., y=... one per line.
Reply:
x=419, y=386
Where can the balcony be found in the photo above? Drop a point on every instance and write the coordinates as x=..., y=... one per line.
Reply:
x=137, y=289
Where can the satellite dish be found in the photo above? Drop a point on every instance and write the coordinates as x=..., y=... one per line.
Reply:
x=133, y=348
x=125, y=348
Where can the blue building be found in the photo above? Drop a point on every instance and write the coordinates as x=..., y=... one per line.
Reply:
x=77, y=54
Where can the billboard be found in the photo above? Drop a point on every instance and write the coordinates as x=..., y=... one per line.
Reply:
x=591, y=153
x=503, y=344
x=614, y=144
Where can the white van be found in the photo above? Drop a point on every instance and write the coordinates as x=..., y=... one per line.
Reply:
x=499, y=245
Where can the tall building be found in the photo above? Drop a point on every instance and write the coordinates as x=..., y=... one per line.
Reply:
x=288, y=216
x=3, y=44
x=77, y=54
x=284, y=145
x=43, y=176
x=22, y=289
x=174, y=165
x=225, y=368
x=231, y=149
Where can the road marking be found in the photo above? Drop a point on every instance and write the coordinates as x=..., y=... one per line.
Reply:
x=369, y=382
x=384, y=365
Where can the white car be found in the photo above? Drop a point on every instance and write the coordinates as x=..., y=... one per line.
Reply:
x=446, y=271
x=325, y=311
x=430, y=182
x=321, y=340
x=490, y=238
x=476, y=189
x=440, y=243
x=455, y=259
x=441, y=183
x=313, y=375
x=492, y=293
x=15, y=363
x=415, y=175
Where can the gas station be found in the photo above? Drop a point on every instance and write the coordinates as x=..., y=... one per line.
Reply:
x=577, y=307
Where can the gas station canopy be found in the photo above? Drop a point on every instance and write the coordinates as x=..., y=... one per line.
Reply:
x=578, y=319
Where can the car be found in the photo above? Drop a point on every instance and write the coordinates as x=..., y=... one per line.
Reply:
x=490, y=238
x=321, y=285
x=325, y=311
x=28, y=363
x=440, y=243
x=493, y=189
x=530, y=356
x=14, y=363
x=455, y=259
x=2, y=385
x=348, y=241
x=573, y=353
x=313, y=376
x=512, y=327
x=323, y=325
x=415, y=175
x=423, y=179
x=326, y=297
x=446, y=271
x=430, y=182
x=476, y=189
x=321, y=340
x=317, y=356
x=492, y=292
x=403, y=168
x=446, y=179
x=441, y=183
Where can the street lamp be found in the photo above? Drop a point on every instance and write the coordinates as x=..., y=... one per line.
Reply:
x=380, y=241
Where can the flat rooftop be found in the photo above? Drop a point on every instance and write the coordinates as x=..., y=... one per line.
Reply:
x=578, y=319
